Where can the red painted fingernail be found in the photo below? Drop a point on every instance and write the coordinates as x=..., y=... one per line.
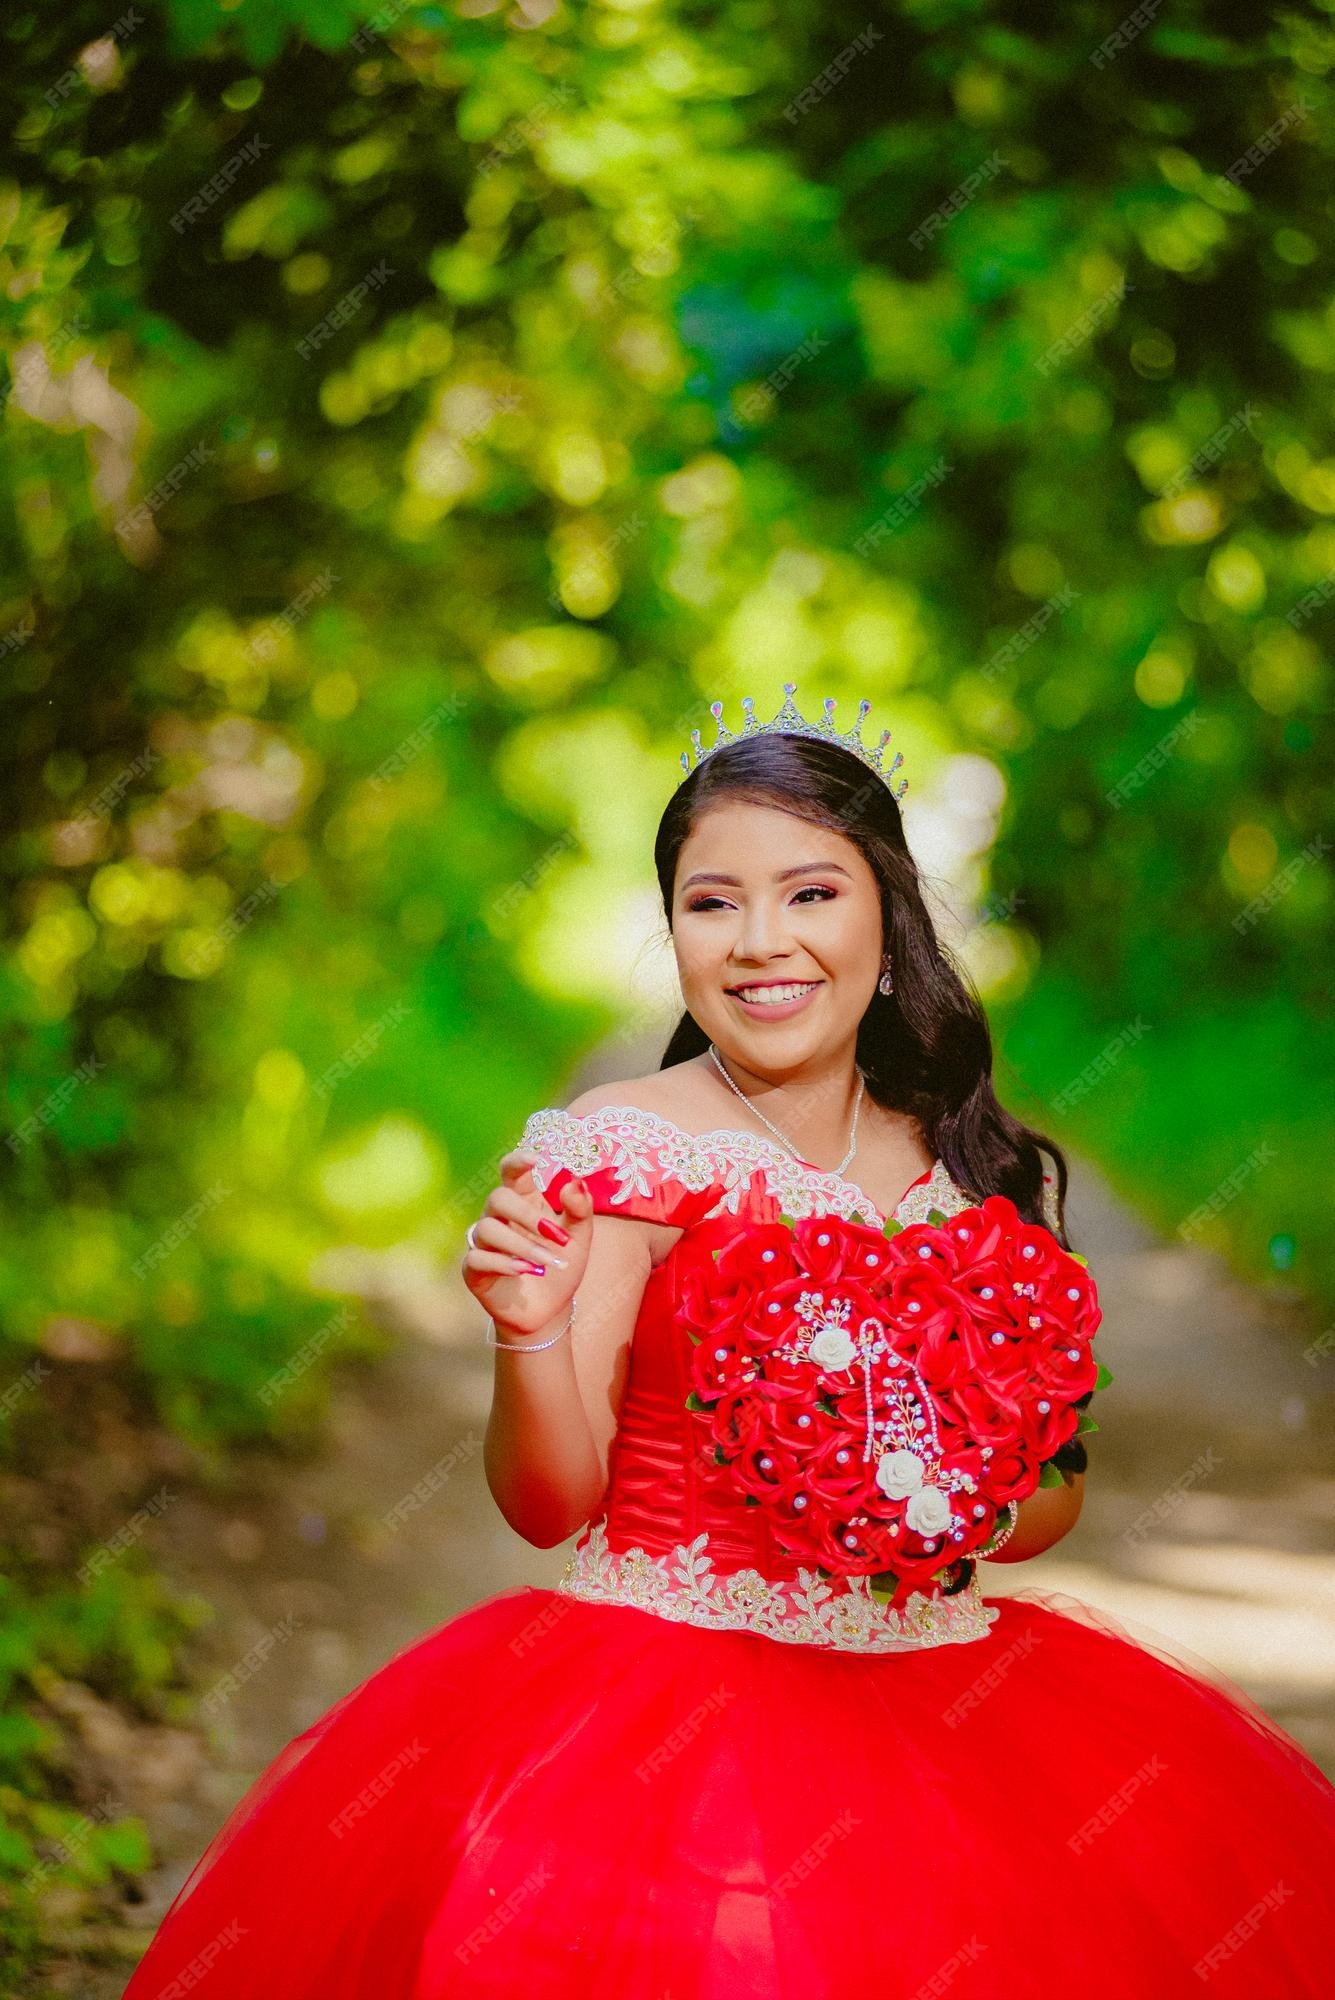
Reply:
x=537, y=1270
x=553, y=1230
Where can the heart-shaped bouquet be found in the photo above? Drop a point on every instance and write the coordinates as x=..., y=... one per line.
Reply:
x=886, y=1395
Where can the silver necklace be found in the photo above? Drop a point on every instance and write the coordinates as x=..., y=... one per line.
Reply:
x=787, y=1144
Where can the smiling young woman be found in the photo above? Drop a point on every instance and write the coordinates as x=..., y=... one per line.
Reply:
x=734, y=857
x=705, y=1763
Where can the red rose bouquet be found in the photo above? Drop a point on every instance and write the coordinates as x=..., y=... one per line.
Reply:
x=887, y=1394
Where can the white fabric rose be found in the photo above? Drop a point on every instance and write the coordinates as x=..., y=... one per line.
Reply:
x=899, y=1473
x=928, y=1512
x=831, y=1347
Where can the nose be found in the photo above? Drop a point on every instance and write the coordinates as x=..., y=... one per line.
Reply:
x=761, y=935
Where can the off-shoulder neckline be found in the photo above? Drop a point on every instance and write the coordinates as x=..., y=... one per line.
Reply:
x=757, y=1146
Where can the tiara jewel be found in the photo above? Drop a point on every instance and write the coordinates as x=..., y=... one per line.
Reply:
x=788, y=722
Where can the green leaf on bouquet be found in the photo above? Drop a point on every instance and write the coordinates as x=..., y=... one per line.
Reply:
x=1051, y=1476
x=720, y=1456
x=693, y=1402
x=937, y=1216
x=788, y=1221
x=892, y=1228
x=1103, y=1377
x=1078, y=1258
x=827, y=1403
x=750, y=1500
x=1086, y=1423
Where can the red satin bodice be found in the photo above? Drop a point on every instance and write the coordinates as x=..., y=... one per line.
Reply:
x=664, y=1487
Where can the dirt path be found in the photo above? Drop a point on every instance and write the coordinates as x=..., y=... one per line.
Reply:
x=1217, y=1429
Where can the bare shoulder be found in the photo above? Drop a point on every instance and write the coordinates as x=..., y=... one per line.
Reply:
x=673, y=1093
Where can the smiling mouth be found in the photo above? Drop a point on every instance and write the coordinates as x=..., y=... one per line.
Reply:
x=774, y=996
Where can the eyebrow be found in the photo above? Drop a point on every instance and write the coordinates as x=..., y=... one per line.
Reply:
x=802, y=868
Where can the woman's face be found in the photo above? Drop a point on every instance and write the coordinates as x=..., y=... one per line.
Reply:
x=766, y=904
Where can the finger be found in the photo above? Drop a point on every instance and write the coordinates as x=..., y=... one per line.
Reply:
x=501, y=1262
x=576, y=1201
x=516, y=1167
x=525, y=1213
x=492, y=1233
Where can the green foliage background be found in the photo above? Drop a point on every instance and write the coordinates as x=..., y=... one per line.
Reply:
x=461, y=363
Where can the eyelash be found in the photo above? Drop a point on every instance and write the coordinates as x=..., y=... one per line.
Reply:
x=703, y=902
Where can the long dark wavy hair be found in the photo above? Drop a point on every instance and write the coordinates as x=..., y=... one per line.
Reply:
x=925, y=1048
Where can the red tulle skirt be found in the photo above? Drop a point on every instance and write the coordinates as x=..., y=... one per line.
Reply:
x=555, y=1800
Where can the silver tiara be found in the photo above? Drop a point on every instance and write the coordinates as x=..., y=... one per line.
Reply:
x=788, y=722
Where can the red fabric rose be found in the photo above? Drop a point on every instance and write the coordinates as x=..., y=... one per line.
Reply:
x=885, y=1394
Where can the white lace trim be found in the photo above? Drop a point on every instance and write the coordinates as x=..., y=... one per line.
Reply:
x=806, y=1611
x=641, y=1142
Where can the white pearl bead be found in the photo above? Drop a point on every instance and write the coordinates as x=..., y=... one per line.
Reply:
x=799, y=1500
x=964, y=1235
x=1073, y=1354
x=841, y=1458
x=720, y=1354
x=1072, y=1291
x=764, y=1463
x=803, y=1421
x=986, y=1292
x=1028, y=1250
x=850, y=1541
x=873, y=1258
x=822, y=1239
x=998, y=1337
x=915, y=1305
x=924, y=1249
x=767, y=1256
x=978, y=1513
x=776, y=1307
x=1044, y=1405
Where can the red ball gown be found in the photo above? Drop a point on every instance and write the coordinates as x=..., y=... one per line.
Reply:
x=689, y=1772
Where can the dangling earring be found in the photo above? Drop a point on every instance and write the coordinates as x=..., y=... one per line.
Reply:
x=885, y=984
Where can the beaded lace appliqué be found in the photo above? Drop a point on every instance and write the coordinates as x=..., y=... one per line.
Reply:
x=805, y=1611
x=641, y=1145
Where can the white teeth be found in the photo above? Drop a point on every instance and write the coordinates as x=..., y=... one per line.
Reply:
x=772, y=996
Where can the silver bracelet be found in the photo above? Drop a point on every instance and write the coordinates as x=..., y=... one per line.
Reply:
x=530, y=1346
